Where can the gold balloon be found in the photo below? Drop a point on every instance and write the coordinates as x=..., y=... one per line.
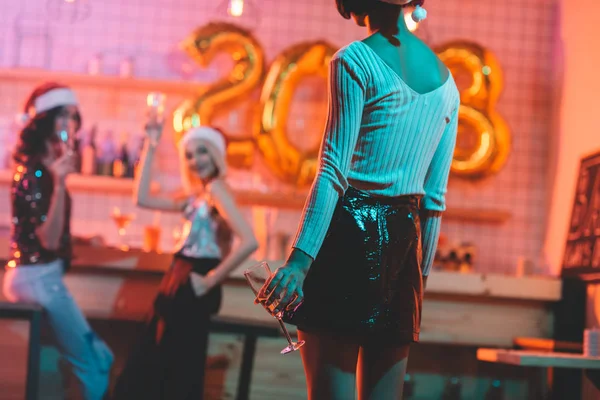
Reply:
x=479, y=78
x=490, y=149
x=478, y=66
x=247, y=72
x=484, y=139
x=282, y=157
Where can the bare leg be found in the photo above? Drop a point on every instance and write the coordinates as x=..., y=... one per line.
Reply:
x=381, y=372
x=330, y=366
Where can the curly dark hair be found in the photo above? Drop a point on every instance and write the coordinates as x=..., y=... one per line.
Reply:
x=41, y=128
x=360, y=7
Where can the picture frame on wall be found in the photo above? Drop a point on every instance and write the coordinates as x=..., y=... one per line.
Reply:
x=582, y=252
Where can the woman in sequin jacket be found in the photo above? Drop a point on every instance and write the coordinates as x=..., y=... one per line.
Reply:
x=41, y=237
x=168, y=363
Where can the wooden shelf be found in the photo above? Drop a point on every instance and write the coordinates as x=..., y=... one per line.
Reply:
x=265, y=199
x=35, y=76
x=244, y=197
x=530, y=288
x=296, y=202
x=476, y=215
x=90, y=184
x=540, y=359
x=107, y=184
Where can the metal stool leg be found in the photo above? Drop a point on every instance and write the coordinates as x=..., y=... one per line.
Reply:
x=33, y=358
x=243, y=392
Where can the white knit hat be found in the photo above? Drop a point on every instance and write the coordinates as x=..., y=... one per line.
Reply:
x=53, y=98
x=215, y=145
x=205, y=133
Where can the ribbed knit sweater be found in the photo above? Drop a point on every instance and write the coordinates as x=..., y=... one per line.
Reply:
x=384, y=138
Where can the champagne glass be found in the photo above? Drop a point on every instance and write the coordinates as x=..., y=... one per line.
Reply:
x=66, y=139
x=156, y=108
x=256, y=277
x=122, y=221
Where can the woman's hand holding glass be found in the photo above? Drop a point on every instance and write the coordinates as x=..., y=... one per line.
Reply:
x=258, y=278
x=67, y=138
x=154, y=126
x=283, y=291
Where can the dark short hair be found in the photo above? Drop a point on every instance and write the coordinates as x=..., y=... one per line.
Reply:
x=39, y=129
x=359, y=7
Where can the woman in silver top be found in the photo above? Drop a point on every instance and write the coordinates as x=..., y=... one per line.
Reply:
x=169, y=360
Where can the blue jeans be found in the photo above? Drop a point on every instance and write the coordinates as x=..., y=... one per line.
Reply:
x=89, y=357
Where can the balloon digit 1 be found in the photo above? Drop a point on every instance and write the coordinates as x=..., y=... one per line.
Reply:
x=485, y=133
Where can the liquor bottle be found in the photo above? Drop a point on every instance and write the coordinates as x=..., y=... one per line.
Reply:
x=452, y=389
x=88, y=153
x=77, y=147
x=121, y=165
x=137, y=155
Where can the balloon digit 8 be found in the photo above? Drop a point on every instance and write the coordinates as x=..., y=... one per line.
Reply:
x=478, y=120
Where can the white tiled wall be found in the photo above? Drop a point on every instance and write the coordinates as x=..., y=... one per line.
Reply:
x=521, y=34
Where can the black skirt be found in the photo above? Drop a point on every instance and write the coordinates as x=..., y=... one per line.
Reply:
x=366, y=282
x=169, y=357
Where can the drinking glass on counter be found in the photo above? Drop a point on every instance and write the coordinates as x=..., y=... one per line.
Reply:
x=152, y=234
x=151, y=238
x=122, y=221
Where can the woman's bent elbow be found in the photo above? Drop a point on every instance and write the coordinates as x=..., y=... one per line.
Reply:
x=252, y=245
x=47, y=242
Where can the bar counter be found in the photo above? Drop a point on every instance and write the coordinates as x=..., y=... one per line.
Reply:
x=471, y=309
x=461, y=312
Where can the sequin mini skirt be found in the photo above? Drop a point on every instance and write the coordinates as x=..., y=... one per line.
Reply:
x=365, y=282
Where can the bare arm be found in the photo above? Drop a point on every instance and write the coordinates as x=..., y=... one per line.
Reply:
x=247, y=245
x=142, y=194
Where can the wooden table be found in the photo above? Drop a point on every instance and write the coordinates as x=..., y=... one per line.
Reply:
x=547, y=360
x=528, y=358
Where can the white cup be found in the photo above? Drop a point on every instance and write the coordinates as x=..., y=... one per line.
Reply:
x=591, y=342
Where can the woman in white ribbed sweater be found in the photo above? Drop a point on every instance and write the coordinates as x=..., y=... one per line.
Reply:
x=353, y=283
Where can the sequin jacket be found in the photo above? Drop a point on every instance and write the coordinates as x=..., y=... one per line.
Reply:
x=31, y=193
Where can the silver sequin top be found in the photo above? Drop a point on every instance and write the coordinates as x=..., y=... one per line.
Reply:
x=205, y=234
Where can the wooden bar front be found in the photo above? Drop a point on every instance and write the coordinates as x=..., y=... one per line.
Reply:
x=459, y=309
